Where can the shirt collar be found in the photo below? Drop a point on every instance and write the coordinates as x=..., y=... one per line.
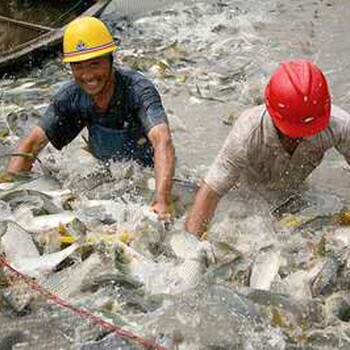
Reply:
x=271, y=138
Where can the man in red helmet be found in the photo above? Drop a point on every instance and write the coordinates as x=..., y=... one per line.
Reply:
x=276, y=145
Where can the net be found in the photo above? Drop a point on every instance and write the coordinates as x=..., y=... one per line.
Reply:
x=37, y=314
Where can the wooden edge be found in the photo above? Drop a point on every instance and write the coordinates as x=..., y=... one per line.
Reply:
x=48, y=39
x=27, y=24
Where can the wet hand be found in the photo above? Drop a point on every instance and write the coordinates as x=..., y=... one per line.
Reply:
x=162, y=209
x=6, y=177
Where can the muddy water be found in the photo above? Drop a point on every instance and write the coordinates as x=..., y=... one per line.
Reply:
x=231, y=48
x=266, y=32
x=210, y=60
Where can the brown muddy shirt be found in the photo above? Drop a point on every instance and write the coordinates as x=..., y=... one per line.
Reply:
x=253, y=156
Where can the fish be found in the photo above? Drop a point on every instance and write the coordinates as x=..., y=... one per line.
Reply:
x=18, y=297
x=186, y=246
x=38, y=202
x=194, y=257
x=280, y=300
x=265, y=268
x=89, y=182
x=38, y=332
x=23, y=254
x=296, y=284
x=287, y=313
x=70, y=281
x=117, y=279
x=234, y=270
x=184, y=271
x=127, y=216
x=323, y=275
x=331, y=337
x=338, y=306
x=16, y=242
x=128, y=260
x=206, y=316
x=341, y=235
x=293, y=204
x=36, y=267
x=313, y=225
x=31, y=181
x=43, y=223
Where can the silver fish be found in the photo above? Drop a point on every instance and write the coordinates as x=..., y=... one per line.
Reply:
x=33, y=182
x=284, y=310
x=48, y=222
x=323, y=275
x=69, y=282
x=172, y=276
x=39, y=202
x=23, y=255
x=265, y=269
x=207, y=316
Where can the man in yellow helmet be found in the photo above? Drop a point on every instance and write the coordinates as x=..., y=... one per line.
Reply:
x=121, y=109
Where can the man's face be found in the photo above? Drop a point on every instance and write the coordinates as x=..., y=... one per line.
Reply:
x=93, y=75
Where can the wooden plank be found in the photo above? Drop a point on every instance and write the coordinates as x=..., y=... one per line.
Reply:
x=26, y=24
x=45, y=41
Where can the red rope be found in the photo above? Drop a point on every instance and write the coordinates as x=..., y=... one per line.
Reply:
x=81, y=312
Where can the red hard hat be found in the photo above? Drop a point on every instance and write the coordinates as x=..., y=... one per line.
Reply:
x=297, y=98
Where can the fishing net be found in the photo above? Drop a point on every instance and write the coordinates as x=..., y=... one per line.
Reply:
x=33, y=316
x=52, y=323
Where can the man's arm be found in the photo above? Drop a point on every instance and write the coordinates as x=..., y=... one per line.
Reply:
x=164, y=163
x=32, y=144
x=203, y=210
x=342, y=133
x=222, y=175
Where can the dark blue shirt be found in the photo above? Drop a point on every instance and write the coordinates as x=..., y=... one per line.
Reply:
x=135, y=104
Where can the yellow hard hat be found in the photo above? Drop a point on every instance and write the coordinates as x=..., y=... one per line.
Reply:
x=86, y=38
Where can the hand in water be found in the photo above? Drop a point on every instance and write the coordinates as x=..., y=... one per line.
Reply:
x=187, y=246
x=6, y=177
x=162, y=209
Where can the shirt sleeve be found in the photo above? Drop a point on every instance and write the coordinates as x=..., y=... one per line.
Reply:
x=343, y=144
x=230, y=161
x=60, y=124
x=150, y=109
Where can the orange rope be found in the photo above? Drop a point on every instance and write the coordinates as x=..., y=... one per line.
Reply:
x=81, y=312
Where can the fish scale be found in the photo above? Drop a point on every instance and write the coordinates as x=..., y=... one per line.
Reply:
x=68, y=282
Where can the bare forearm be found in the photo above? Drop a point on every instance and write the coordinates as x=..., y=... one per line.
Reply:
x=31, y=145
x=203, y=210
x=164, y=163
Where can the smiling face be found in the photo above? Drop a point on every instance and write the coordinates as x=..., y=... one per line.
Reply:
x=93, y=76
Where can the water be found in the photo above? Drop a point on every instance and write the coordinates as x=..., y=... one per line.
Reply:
x=243, y=35
x=211, y=60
